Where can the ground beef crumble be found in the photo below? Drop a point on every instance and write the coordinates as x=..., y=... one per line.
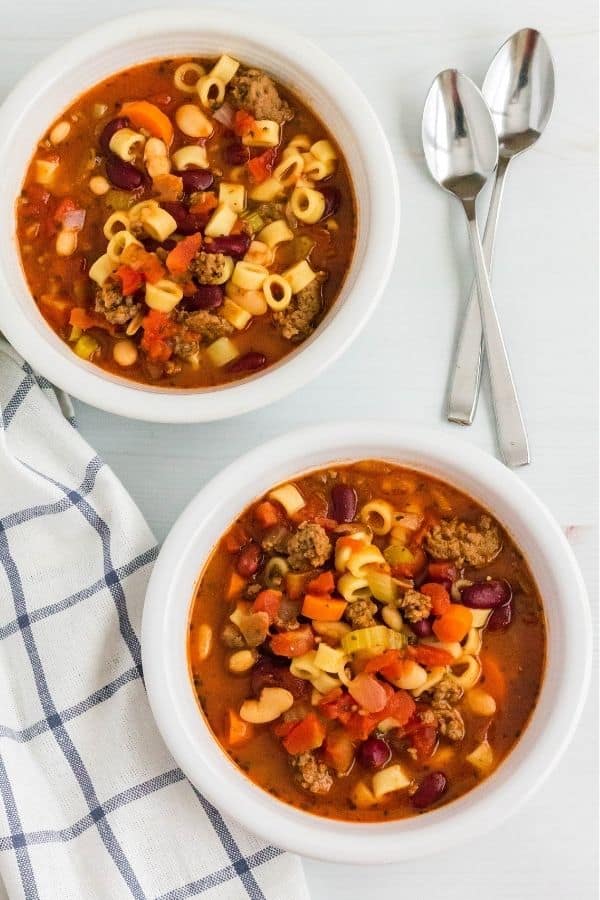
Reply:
x=465, y=543
x=309, y=547
x=298, y=320
x=208, y=325
x=415, y=606
x=312, y=775
x=116, y=308
x=254, y=91
x=360, y=614
x=209, y=268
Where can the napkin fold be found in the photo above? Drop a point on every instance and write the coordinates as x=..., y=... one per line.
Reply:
x=91, y=803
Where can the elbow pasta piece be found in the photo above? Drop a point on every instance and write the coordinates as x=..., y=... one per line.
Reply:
x=472, y=645
x=352, y=588
x=120, y=217
x=304, y=666
x=222, y=351
x=118, y=244
x=289, y=169
x=156, y=157
x=299, y=276
x=361, y=559
x=102, y=269
x=307, y=204
x=192, y=155
x=301, y=142
x=482, y=757
x=267, y=191
x=434, y=677
x=158, y=223
x=248, y=276
x=192, y=122
x=221, y=222
x=211, y=91
x=471, y=673
x=317, y=169
x=233, y=195
x=125, y=142
x=139, y=210
x=264, y=133
x=378, y=515
x=225, y=68
x=289, y=497
x=324, y=150
x=163, y=295
x=181, y=77
x=275, y=233
x=278, y=292
x=236, y=315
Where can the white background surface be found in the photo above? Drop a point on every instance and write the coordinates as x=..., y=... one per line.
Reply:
x=547, y=290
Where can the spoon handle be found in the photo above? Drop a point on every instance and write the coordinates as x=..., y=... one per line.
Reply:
x=468, y=358
x=512, y=437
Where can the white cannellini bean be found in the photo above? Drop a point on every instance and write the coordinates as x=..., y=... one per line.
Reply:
x=66, y=242
x=99, y=185
x=60, y=132
x=204, y=641
x=125, y=353
x=480, y=702
x=241, y=661
x=270, y=705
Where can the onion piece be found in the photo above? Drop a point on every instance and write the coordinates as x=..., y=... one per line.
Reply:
x=74, y=219
x=225, y=115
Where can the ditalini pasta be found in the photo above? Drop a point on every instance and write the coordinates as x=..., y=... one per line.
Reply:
x=187, y=222
x=357, y=671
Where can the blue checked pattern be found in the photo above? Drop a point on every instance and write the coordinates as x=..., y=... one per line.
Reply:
x=91, y=804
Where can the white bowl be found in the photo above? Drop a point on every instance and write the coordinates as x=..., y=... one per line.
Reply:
x=327, y=89
x=167, y=609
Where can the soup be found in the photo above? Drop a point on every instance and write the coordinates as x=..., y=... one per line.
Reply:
x=366, y=642
x=186, y=223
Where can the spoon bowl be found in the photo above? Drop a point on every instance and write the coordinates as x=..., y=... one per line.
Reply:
x=519, y=91
x=459, y=138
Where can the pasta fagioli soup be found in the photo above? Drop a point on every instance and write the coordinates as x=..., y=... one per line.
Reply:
x=186, y=223
x=366, y=642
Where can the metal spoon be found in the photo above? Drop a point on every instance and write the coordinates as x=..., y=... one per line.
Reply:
x=519, y=90
x=461, y=149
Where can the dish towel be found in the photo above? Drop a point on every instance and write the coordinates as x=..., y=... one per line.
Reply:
x=91, y=803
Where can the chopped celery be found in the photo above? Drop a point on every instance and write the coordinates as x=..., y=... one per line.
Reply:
x=86, y=346
x=397, y=555
x=75, y=333
x=253, y=220
x=377, y=636
x=117, y=200
x=382, y=586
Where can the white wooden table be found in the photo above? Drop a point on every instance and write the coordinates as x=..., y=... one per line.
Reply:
x=546, y=285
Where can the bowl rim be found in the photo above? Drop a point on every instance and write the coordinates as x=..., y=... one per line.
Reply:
x=188, y=735
x=381, y=230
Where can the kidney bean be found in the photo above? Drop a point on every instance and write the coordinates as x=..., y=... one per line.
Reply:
x=235, y=245
x=344, y=502
x=374, y=753
x=486, y=594
x=208, y=296
x=109, y=129
x=333, y=198
x=501, y=617
x=430, y=790
x=249, y=362
x=187, y=222
x=236, y=154
x=249, y=559
x=272, y=672
x=195, y=179
x=422, y=628
x=122, y=174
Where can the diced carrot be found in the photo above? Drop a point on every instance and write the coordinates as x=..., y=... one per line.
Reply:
x=268, y=601
x=429, y=656
x=322, y=584
x=243, y=122
x=142, y=261
x=236, y=538
x=260, y=167
x=183, y=253
x=157, y=328
x=236, y=585
x=131, y=281
x=238, y=732
x=359, y=727
x=339, y=751
x=295, y=583
x=385, y=659
x=204, y=204
x=293, y=643
x=442, y=570
x=146, y=115
x=323, y=607
x=400, y=706
x=494, y=680
x=307, y=735
x=368, y=692
x=267, y=514
x=439, y=596
x=84, y=319
x=169, y=187
x=454, y=624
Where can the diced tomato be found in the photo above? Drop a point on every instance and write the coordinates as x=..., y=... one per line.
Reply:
x=442, y=571
x=143, y=261
x=439, y=596
x=268, y=601
x=429, y=656
x=204, y=205
x=424, y=740
x=359, y=726
x=66, y=205
x=260, y=167
x=400, y=706
x=315, y=506
x=157, y=328
x=268, y=514
x=339, y=750
x=243, y=122
x=131, y=281
x=322, y=584
x=307, y=735
x=236, y=538
x=85, y=318
x=337, y=704
x=368, y=692
x=183, y=253
x=384, y=660
x=293, y=643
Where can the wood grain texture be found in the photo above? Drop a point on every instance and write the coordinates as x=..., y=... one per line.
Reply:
x=546, y=288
